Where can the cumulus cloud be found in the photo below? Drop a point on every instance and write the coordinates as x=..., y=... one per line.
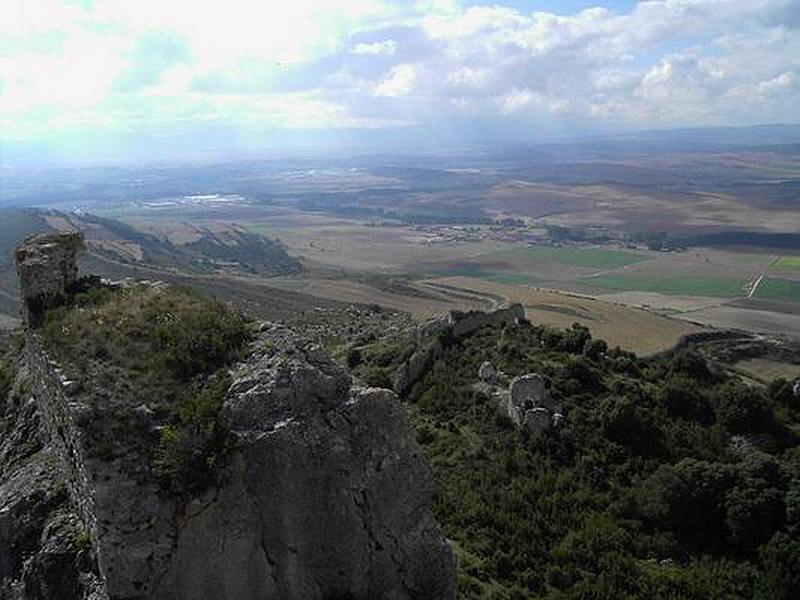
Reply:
x=153, y=54
x=399, y=82
x=381, y=63
x=386, y=47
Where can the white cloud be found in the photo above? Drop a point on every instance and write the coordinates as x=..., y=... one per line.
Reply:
x=386, y=48
x=776, y=84
x=399, y=82
x=371, y=63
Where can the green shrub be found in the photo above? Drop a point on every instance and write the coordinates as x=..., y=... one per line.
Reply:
x=154, y=335
x=780, y=561
x=742, y=409
x=753, y=513
x=190, y=450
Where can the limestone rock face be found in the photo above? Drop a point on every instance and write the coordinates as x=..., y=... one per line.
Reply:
x=527, y=391
x=327, y=498
x=326, y=495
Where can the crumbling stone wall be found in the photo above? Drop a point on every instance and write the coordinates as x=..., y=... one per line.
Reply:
x=47, y=265
x=451, y=326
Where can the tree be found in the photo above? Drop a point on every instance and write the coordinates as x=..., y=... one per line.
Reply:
x=754, y=513
x=689, y=499
x=780, y=562
x=741, y=409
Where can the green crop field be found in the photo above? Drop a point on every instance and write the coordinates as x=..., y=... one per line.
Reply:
x=786, y=263
x=685, y=286
x=773, y=288
x=595, y=258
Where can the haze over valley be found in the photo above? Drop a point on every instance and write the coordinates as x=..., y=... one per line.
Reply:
x=399, y=300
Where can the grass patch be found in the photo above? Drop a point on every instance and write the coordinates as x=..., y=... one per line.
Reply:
x=686, y=286
x=593, y=258
x=786, y=263
x=160, y=338
x=162, y=349
x=773, y=288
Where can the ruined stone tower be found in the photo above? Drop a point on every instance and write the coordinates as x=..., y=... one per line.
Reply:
x=46, y=266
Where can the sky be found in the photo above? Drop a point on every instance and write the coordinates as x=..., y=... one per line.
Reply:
x=155, y=76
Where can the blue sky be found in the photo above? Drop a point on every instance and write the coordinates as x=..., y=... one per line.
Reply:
x=82, y=72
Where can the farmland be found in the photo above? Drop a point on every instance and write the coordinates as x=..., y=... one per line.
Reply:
x=597, y=234
x=683, y=285
x=774, y=288
x=786, y=263
x=594, y=258
x=342, y=256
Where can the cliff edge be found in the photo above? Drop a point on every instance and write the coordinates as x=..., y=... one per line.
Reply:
x=315, y=488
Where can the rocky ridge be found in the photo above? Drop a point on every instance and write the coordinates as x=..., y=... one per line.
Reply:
x=323, y=495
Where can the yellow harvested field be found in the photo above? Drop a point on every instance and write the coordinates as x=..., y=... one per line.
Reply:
x=631, y=328
x=60, y=223
x=662, y=302
x=767, y=370
x=351, y=291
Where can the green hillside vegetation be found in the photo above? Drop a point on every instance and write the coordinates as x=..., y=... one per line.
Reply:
x=639, y=493
x=164, y=349
x=250, y=252
x=155, y=251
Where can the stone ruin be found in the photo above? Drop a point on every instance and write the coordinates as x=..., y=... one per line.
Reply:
x=530, y=405
x=526, y=401
x=442, y=330
x=47, y=266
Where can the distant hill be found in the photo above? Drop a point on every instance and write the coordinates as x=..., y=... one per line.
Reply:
x=115, y=247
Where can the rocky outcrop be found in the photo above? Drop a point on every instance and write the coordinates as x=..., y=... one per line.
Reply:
x=439, y=332
x=328, y=497
x=324, y=495
x=490, y=375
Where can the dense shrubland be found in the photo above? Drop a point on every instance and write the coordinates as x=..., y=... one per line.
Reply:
x=667, y=479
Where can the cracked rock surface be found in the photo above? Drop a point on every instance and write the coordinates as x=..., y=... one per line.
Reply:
x=327, y=497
